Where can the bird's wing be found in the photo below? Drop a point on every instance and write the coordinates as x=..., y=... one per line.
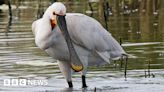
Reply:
x=87, y=32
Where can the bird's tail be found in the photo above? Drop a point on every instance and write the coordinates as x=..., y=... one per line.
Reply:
x=104, y=55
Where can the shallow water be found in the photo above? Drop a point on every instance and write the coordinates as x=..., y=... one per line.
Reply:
x=21, y=59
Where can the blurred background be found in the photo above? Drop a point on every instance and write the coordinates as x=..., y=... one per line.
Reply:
x=137, y=24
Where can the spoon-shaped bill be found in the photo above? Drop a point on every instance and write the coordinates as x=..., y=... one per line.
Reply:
x=76, y=64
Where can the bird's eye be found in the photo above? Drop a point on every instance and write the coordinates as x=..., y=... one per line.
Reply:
x=54, y=13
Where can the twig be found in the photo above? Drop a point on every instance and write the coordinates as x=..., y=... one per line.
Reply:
x=125, y=72
x=105, y=9
x=149, y=68
x=145, y=74
x=10, y=15
x=52, y=1
x=91, y=8
x=115, y=64
x=120, y=41
x=148, y=71
x=9, y=5
x=121, y=61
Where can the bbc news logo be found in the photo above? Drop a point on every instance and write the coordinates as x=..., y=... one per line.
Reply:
x=24, y=82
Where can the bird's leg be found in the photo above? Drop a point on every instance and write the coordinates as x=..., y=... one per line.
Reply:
x=84, y=71
x=70, y=84
x=84, y=85
x=66, y=71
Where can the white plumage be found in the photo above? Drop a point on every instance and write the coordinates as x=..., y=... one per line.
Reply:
x=93, y=44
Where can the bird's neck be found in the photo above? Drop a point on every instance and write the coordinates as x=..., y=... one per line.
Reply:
x=43, y=33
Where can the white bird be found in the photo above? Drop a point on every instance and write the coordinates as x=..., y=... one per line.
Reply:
x=92, y=43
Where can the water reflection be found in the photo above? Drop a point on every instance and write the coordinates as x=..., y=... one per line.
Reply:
x=20, y=58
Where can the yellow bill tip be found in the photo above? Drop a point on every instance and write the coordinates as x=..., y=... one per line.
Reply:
x=77, y=68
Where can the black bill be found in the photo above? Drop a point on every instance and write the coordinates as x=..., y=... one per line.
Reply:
x=76, y=64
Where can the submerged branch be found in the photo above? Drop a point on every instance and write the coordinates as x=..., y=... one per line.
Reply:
x=10, y=16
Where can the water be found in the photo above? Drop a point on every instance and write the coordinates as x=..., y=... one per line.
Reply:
x=20, y=58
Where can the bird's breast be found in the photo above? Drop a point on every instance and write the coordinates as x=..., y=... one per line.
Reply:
x=58, y=48
x=58, y=51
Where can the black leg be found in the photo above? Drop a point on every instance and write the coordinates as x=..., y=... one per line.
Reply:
x=70, y=84
x=83, y=81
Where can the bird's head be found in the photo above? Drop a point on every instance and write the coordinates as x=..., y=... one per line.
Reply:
x=56, y=9
x=56, y=14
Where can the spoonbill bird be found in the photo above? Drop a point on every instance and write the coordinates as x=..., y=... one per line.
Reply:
x=75, y=40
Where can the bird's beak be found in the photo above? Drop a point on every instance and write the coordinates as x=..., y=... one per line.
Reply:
x=53, y=23
x=75, y=62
